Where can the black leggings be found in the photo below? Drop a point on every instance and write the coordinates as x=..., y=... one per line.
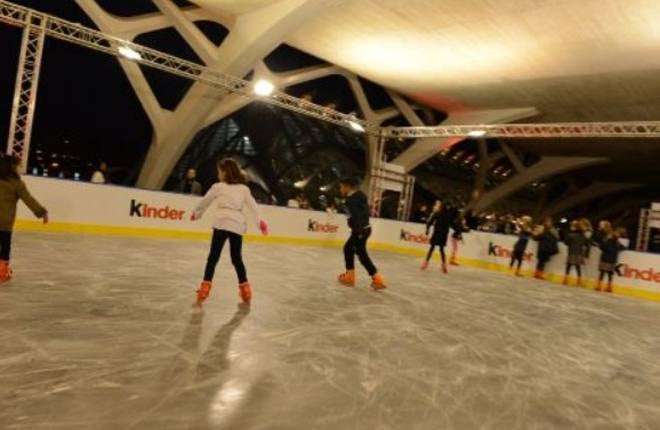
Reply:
x=5, y=245
x=516, y=257
x=357, y=244
x=542, y=259
x=609, y=276
x=578, y=269
x=442, y=253
x=235, y=247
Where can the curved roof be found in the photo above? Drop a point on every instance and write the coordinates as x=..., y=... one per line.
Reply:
x=591, y=60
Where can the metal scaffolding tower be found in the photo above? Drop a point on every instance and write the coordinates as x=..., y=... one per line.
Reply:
x=25, y=90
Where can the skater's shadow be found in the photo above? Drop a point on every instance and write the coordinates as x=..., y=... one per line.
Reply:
x=214, y=360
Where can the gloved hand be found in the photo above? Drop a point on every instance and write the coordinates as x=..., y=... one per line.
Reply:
x=263, y=226
x=45, y=218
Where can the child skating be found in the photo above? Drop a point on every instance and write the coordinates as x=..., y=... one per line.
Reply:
x=609, y=257
x=232, y=199
x=441, y=220
x=519, y=248
x=357, y=208
x=577, y=248
x=12, y=189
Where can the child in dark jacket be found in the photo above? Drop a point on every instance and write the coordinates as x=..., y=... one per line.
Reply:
x=357, y=208
x=577, y=245
x=609, y=257
x=547, y=238
x=519, y=248
x=441, y=220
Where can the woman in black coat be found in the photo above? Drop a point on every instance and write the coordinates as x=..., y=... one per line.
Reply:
x=441, y=220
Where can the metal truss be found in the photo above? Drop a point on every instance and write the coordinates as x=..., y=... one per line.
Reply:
x=33, y=20
x=556, y=130
x=25, y=91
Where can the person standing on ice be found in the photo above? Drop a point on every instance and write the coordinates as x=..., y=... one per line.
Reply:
x=519, y=248
x=232, y=199
x=441, y=220
x=577, y=245
x=12, y=189
x=609, y=257
x=547, y=238
x=357, y=208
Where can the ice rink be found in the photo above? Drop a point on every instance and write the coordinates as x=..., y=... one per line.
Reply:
x=99, y=333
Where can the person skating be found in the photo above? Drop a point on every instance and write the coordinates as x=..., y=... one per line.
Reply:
x=519, y=248
x=232, y=199
x=441, y=220
x=547, y=238
x=357, y=209
x=609, y=257
x=577, y=245
x=12, y=189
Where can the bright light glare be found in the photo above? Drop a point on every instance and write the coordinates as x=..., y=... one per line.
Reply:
x=563, y=220
x=356, y=126
x=477, y=133
x=129, y=53
x=263, y=88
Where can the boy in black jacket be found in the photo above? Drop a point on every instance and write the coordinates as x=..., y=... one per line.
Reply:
x=357, y=208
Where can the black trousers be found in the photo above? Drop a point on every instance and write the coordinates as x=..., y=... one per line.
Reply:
x=517, y=258
x=542, y=259
x=5, y=245
x=609, y=276
x=357, y=244
x=442, y=253
x=236, y=252
x=578, y=269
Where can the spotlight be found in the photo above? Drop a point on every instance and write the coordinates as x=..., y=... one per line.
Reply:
x=477, y=133
x=563, y=220
x=130, y=53
x=356, y=126
x=263, y=88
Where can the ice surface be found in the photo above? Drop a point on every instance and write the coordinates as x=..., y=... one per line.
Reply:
x=99, y=333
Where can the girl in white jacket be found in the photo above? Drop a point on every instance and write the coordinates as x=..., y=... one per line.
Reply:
x=232, y=199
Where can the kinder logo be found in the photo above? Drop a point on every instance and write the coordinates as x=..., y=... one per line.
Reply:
x=407, y=236
x=648, y=275
x=143, y=210
x=318, y=227
x=502, y=252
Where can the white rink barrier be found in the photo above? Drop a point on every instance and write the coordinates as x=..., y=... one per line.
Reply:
x=77, y=207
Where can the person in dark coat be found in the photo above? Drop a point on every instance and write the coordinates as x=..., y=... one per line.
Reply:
x=609, y=257
x=547, y=238
x=441, y=220
x=577, y=245
x=189, y=185
x=357, y=211
x=519, y=248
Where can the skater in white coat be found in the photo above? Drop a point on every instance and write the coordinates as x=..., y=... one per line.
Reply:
x=232, y=200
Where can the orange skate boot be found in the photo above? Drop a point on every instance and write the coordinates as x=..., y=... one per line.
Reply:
x=453, y=261
x=425, y=265
x=203, y=291
x=245, y=292
x=599, y=286
x=444, y=268
x=609, y=287
x=565, y=281
x=5, y=271
x=348, y=278
x=517, y=273
x=378, y=283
